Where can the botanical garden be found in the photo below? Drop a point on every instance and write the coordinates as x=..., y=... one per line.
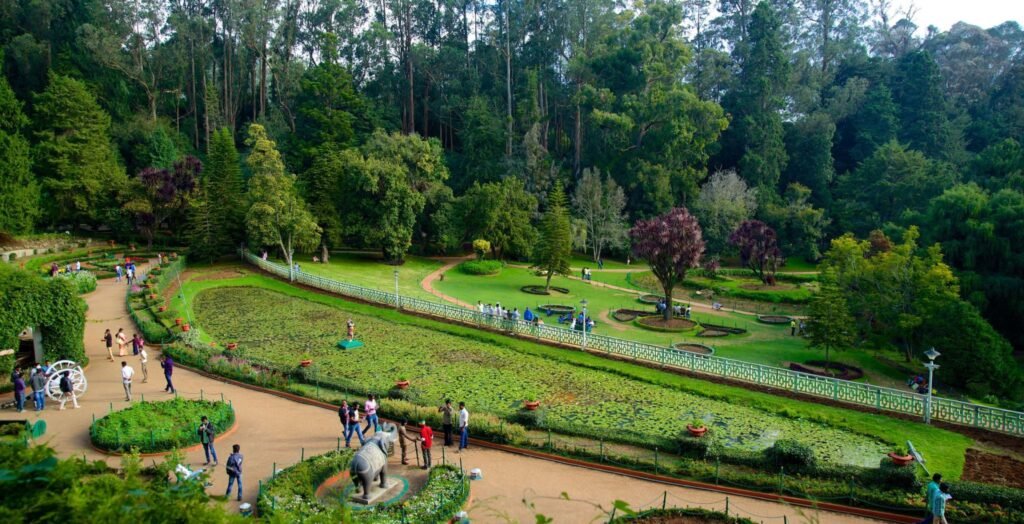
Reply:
x=572, y=260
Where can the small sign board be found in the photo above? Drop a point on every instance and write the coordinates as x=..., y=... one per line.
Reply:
x=349, y=344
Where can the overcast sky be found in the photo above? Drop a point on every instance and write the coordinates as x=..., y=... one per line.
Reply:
x=985, y=13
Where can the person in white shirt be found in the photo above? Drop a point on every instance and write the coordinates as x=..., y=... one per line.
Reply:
x=463, y=427
x=126, y=380
x=143, y=360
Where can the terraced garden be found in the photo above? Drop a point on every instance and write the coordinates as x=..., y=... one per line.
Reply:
x=582, y=394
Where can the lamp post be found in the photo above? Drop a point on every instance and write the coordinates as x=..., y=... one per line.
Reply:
x=398, y=305
x=932, y=366
x=584, y=304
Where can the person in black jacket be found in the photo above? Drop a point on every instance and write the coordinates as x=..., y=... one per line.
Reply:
x=206, y=433
x=234, y=470
x=67, y=390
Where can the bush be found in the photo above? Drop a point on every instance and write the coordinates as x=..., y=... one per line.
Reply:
x=890, y=476
x=792, y=456
x=1007, y=498
x=290, y=496
x=158, y=426
x=666, y=515
x=83, y=281
x=481, y=267
x=442, y=497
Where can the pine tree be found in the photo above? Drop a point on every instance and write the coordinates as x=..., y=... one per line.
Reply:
x=554, y=250
x=830, y=321
x=204, y=244
x=19, y=192
x=225, y=193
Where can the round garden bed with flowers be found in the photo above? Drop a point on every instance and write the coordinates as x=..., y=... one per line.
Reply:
x=691, y=347
x=774, y=319
x=660, y=323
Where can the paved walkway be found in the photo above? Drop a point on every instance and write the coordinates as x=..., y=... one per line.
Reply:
x=428, y=281
x=273, y=430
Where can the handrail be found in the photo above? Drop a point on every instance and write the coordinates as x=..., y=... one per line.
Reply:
x=867, y=395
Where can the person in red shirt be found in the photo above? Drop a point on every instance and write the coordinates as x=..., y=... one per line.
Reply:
x=426, y=442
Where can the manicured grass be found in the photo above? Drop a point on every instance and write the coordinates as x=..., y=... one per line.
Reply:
x=369, y=270
x=580, y=261
x=159, y=426
x=943, y=449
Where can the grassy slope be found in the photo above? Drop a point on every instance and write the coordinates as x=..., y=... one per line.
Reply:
x=368, y=270
x=943, y=449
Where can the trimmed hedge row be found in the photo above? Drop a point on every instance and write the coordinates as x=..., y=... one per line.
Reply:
x=481, y=267
x=151, y=427
x=666, y=515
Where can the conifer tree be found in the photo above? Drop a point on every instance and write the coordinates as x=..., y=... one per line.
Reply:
x=19, y=192
x=225, y=194
x=554, y=250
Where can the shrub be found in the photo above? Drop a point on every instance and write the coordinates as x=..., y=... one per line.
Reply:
x=443, y=496
x=83, y=281
x=791, y=455
x=890, y=476
x=666, y=515
x=1007, y=498
x=290, y=496
x=158, y=426
x=480, y=267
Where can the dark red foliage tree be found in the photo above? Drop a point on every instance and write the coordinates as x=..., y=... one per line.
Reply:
x=165, y=194
x=759, y=249
x=671, y=244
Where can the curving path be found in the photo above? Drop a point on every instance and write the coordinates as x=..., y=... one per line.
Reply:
x=428, y=281
x=273, y=431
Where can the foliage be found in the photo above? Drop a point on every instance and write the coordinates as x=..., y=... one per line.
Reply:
x=703, y=515
x=19, y=191
x=831, y=325
x=501, y=212
x=51, y=305
x=671, y=244
x=481, y=267
x=800, y=225
x=219, y=210
x=163, y=195
x=290, y=495
x=724, y=202
x=444, y=495
x=759, y=249
x=791, y=455
x=82, y=281
x=159, y=426
x=74, y=158
x=554, y=248
x=481, y=247
x=601, y=206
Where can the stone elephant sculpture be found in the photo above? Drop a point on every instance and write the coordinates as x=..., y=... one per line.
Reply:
x=371, y=460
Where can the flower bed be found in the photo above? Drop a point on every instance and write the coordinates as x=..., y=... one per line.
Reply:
x=555, y=309
x=691, y=347
x=818, y=367
x=712, y=333
x=650, y=299
x=270, y=326
x=539, y=290
x=440, y=499
x=628, y=315
x=774, y=319
x=728, y=329
x=659, y=323
x=681, y=516
x=83, y=281
x=152, y=427
x=481, y=267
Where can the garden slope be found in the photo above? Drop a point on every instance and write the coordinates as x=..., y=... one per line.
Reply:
x=495, y=378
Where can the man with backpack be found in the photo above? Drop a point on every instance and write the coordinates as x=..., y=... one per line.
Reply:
x=67, y=390
x=234, y=469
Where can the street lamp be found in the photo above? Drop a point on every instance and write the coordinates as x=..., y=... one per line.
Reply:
x=397, y=304
x=584, y=304
x=932, y=366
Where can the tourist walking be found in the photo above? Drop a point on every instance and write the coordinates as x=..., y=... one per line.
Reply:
x=463, y=427
x=143, y=360
x=792, y=327
x=19, y=390
x=939, y=504
x=126, y=380
x=446, y=421
x=351, y=422
x=38, y=382
x=122, y=341
x=403, y=436
x=136, y=343
x=168, y=364
x=929, y=495
x=426, y=442
x=207, y=432
x=108, y=339
x=234, y=470
x=67, y=390
x=370, y=408
x=119, y=272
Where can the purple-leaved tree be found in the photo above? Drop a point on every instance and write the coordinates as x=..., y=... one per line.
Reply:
x=671, y=244
x=759, y=249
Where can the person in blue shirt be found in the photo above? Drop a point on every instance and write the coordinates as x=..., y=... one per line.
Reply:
x=528, y=315
x=930, y=491
x=939, y=504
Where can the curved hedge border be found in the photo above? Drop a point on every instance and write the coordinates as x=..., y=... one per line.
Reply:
x=153, y=427
x=665, y=515
x=481, y=267
x=539, y=290
x=291, y=495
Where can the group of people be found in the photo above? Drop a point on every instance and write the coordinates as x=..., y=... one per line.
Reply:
x=796, y=327
x=349, y=415
x=67, y=269
x=39, y=376
x=128, y=272
x=919, y=384
x=935, y=498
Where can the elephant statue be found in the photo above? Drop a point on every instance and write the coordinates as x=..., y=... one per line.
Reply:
x=372, y=459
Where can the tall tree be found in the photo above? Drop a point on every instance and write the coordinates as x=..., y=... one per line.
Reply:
x=601, y=205
x=163, y=195
x=923, y=109
x=73, y=154
x=500, y=212
x=554, y=248
x=831, y=325
x=759, y=249
x=225, y=190
x=725, y=201
x=672, y=245
x=19, y=191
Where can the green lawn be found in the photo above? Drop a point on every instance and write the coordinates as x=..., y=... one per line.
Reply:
x=394, y=332
x=369, y=270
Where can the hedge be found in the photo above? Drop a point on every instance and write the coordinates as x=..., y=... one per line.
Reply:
x=666, y=515
x=290, y=496
x=151, y=427
x=481, y=267
x=83, y=281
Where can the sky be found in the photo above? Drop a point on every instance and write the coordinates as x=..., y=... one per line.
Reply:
x=944, y=13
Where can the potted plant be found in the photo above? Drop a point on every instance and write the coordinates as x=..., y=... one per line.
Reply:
x=697, y=427
x=402, y=383
x=306, y=360
x=531, y=403
x=232, y=345
x=152, y=296
x=179, y=321
x=900, y=457
x=162, y=309
x=186, y=327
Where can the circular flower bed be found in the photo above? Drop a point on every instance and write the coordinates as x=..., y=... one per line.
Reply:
x=828, y=369
x=539, y=290
x=690, y=347
x=152, y=427
x=728, y=329
x=628, y=315
x=658, y=323
x=708, y=333
x=556, y=308
x=774, y=319
x=681, y=516
x=650, y=299
x=481, y=267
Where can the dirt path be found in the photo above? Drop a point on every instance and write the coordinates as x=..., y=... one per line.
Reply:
x=428, y=281
x=275, y=432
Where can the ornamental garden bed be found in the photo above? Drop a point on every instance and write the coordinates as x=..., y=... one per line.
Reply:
x=650, y=299
x=692, y=347
x=728, y=329
x=153, y=427
x=628, y=315
x=774, y=319
x=828, y=369
x=481, y=267
x=681, y=516
x=659, y=323
x=712, y=333
x=539, y=290
x=555, y=309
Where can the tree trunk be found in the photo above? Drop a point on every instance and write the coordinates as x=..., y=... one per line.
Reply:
x=668, y=302
x=324, y=254
x=547, y=284
x=508, y=84
x=577, y=138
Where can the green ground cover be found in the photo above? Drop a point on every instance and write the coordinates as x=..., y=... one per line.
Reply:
x=369, y=270
x=480, y=367
x=158, y=426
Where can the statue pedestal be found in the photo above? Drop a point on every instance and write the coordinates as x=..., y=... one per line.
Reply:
x=349, y=344
x=377, y=493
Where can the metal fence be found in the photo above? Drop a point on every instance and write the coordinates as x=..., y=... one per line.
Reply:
x=877, y=397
